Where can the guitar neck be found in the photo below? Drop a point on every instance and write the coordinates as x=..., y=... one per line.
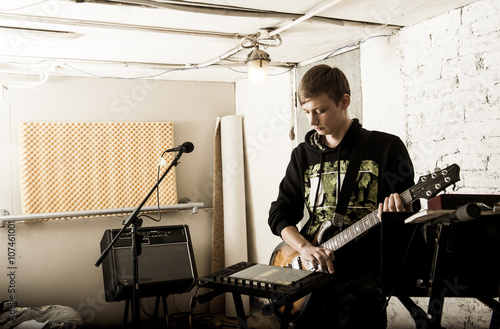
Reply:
x=352, y=232
x=361, y=226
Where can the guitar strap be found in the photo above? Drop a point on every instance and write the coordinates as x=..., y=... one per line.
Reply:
x=350, y=177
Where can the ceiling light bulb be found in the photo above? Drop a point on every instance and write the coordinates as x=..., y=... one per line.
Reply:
x=257, y=71
x=257, y=62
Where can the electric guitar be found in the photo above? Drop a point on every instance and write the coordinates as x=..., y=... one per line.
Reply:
x=427, y=186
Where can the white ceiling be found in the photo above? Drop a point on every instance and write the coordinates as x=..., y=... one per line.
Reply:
x=192, y=40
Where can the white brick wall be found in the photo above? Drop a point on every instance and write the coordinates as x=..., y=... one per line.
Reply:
x=444, y=74
x=450, y=68
x=451, y=76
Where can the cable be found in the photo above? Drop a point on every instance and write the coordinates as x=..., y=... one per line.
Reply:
x=277, y=74
x=356, y=44
x=144, y=311
x=242, y=72
x=152, y=218
x=162, y=163
x=30, y=5
x=144, y=76
x=30, y=64
x=193, y=305
x=273, y=75
x=96, y=75
x=127, y=78
x=158, y=185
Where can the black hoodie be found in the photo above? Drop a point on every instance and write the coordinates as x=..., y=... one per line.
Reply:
x=385, y=168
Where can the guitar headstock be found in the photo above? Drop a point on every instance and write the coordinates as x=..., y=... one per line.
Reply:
x=431, y=184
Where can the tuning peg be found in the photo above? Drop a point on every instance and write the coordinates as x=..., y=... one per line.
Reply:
x=425, y=177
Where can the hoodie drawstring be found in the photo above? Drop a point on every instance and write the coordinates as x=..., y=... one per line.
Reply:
x=320, y=173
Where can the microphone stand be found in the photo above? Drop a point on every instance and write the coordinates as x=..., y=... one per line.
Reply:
x=136, y=243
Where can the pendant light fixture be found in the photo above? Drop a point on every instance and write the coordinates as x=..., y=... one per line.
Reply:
x=257, y=61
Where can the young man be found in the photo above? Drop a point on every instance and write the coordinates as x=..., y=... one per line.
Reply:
x=314, y=177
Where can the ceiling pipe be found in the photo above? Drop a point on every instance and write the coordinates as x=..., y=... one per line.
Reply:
x=120, y=26
x=235, y=11
x=322, y=6
x=218, y=59
x=316, y=10
x=43, y=76
x=217, y=9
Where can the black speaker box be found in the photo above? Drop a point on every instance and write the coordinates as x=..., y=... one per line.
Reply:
x=166, y=264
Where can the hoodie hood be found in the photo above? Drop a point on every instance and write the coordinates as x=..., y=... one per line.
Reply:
x=312, y=139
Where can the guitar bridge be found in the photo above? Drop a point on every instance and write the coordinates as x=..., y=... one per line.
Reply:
x=297, y=263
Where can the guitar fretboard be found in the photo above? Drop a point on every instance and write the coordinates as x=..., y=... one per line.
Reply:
x=360, y=227
x=352, y=232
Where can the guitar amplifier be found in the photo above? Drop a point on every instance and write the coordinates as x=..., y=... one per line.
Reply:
x=166, y=264
x=455, y=201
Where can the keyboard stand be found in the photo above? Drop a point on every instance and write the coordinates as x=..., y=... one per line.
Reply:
x=278, y=293
x=456, y=260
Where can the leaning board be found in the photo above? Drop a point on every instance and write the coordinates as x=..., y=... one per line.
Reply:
x=84, y=166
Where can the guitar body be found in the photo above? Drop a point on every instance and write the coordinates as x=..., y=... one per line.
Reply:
x=282, y=256
x=285, y=256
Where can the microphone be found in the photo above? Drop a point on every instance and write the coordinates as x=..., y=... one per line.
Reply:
x=463, y=214
x=186, y=147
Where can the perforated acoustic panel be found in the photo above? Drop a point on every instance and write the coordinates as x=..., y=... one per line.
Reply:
x=85, y=166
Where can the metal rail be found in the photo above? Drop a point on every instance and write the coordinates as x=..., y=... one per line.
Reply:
x=88, y=213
